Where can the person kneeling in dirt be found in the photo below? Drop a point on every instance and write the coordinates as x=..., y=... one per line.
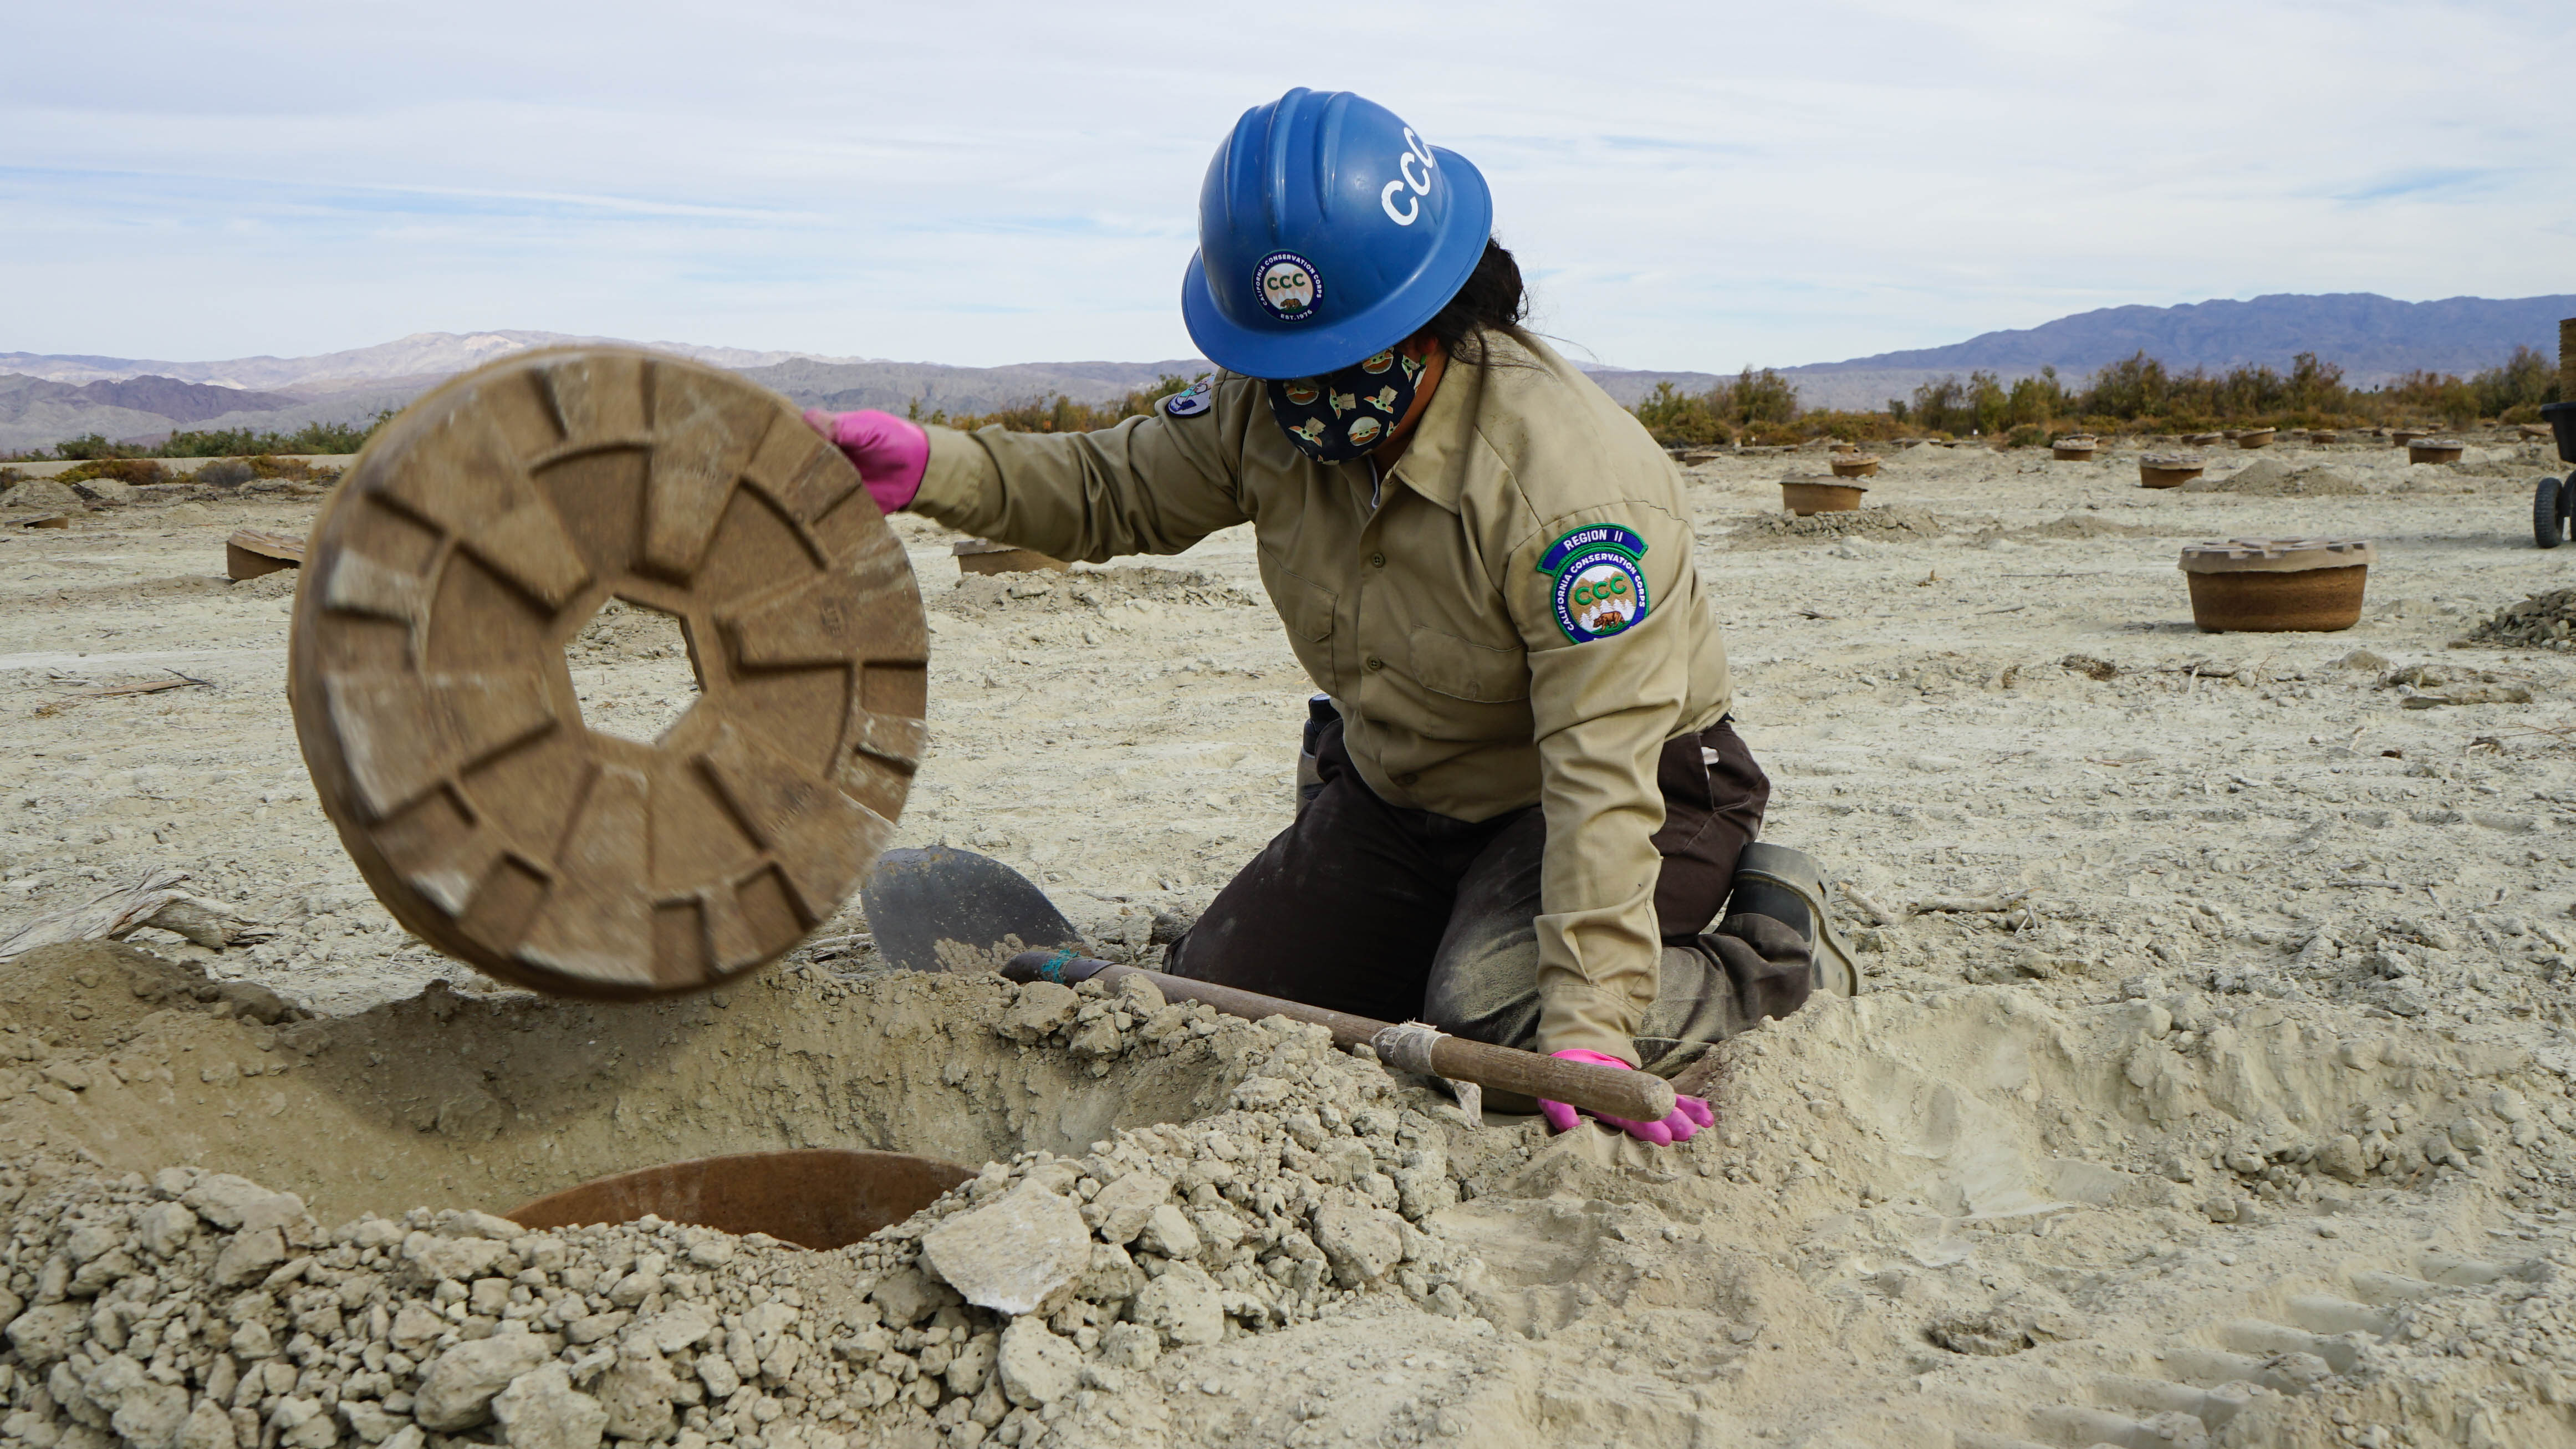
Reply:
x=1529, y=802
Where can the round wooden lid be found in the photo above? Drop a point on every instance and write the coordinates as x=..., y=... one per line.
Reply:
x=472, y=540
x=2274, y=555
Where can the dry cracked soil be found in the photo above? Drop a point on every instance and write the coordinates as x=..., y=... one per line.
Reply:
x=2212, y=1082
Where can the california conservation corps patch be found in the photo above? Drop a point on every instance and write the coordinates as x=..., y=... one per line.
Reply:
x=1191, y=403
x=1287, y=286
x=1599, y=589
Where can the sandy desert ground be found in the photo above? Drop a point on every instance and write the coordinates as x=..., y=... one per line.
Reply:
x=2233, y=1107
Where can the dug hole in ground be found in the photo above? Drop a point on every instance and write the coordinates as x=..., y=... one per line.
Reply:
x=2211, y=1086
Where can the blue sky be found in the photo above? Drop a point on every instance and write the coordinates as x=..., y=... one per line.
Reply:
x=1690, y=186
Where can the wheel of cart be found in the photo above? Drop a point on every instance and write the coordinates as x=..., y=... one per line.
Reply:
x=2553, y=500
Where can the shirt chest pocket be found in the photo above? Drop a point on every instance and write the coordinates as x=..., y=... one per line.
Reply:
x=1304, y=606
x=1463, y=669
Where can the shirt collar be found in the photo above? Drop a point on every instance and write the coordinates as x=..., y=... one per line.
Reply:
x=1435, y=462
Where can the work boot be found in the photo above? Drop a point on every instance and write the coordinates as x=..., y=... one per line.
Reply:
x=1787, y=886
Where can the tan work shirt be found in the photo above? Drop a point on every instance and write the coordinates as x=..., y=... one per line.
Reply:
x=1426, y=613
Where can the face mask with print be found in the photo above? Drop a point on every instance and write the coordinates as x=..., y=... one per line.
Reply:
x=1342, y=415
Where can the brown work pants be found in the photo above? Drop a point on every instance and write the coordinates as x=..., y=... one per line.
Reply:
x=1370, y=908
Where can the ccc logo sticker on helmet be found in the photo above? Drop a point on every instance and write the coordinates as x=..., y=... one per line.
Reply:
x=1414, y=151
x=1287, y=286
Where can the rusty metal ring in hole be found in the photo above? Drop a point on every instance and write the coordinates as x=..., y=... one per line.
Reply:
x=475, y=536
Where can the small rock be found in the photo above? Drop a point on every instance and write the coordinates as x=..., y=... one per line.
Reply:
x=167, y=1227
x=636, y=1394
x=907, y=1296
x=674, y=1329
x=1130, y=1346
x=1043, y=1007
x=542, y=1410
x=1260, y=1094
x=1360, y=1243
x=249, y=1256
x=1120, y=1211
x=457, y=1391
x=971, y=1365
x=1036, y=1367
x=1985, y=1334
x=207, y=1427
x=463, y=1259
x=1183, y=1306
x=1169, y=1233
x=1012, y=1255
x=368, y=1421
x=2343, y=1156
x=239, y=1204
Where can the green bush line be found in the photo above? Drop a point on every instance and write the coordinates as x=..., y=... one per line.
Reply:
x=325, y=438
x=2136, y=395
x=1057, y=413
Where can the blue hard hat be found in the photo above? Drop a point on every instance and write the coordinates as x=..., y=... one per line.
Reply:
x=1328, y=232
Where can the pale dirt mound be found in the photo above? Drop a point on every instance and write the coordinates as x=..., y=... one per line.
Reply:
x=279, y=584
x=2078, y=526
x=1091, y=589
x=1895, y=520
x=620, y=633
x=2272, y=478
x=1274, y=1242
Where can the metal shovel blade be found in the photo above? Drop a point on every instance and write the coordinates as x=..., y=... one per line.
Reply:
x=819, y=1198
x=944, y=909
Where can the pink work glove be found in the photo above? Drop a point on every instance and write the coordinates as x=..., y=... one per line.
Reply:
x=891, y=453
x=1689, y=1113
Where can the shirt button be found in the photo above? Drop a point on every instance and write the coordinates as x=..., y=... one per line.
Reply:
x=1406, y=779
x=1375, y=664
x=1377, y=560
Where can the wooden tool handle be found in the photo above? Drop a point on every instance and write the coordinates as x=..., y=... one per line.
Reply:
x=1602, y=1091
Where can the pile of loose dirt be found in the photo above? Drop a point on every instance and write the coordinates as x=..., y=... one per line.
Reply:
x=2543, y=621
x=2272, y=478
x=2078, y=527
x=1190, y=1227
x=1783, y=527
x=622, y=633
x=198, y=1308
x=1091, y=589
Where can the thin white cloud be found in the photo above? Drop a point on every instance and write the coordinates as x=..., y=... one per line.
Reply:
x=1693, y=185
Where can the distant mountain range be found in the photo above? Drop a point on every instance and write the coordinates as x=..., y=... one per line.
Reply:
x=46, y=398
x=2372, y=338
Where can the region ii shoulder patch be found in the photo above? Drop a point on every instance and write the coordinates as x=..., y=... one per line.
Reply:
x=1598, y=589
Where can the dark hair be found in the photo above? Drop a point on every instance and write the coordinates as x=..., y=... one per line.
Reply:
x=1493, y=299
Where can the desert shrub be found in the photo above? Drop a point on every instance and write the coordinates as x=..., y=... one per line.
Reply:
x=137, y=471
x=87, y=445
x=1979, y=405
x=1754, y=406
x=2026, y=435
x=1673, y=416
x=242, y=442
x=225, y=473
x=221, y=443
x=2522, y=384
x=1058, y=413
